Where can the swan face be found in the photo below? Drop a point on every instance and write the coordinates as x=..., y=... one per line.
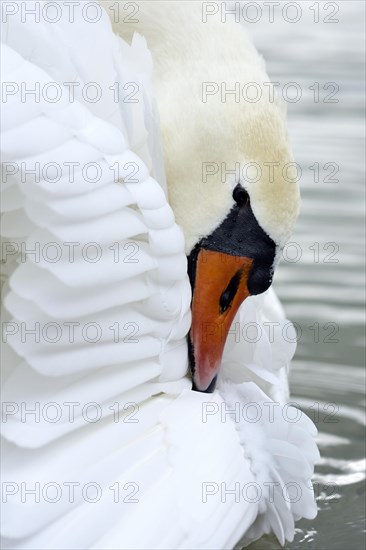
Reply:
x=233, y=189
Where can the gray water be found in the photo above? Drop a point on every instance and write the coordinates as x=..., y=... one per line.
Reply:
x=326, y=284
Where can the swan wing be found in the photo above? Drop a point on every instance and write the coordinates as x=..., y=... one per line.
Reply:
x=104, y=443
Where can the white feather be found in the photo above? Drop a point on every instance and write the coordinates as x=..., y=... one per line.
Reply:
x=172, y=452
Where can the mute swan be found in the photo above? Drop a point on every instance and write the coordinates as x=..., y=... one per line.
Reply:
x=118, y=451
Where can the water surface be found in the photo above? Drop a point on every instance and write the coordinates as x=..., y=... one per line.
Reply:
x=321, y=282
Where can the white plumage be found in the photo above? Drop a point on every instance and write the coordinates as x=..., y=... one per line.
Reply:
x=171, y=452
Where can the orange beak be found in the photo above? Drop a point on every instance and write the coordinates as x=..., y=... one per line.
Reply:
x=220, y=288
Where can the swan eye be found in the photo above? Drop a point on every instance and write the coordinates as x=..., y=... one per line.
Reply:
x=240, y=195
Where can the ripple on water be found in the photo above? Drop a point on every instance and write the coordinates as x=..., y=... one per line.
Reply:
x=328, y=380
x=339, y=477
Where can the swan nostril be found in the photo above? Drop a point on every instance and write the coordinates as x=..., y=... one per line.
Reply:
x=225, y=301
x=229, y=293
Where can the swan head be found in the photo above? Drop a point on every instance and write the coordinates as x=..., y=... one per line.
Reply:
x=232, y=185
x=228, y=162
